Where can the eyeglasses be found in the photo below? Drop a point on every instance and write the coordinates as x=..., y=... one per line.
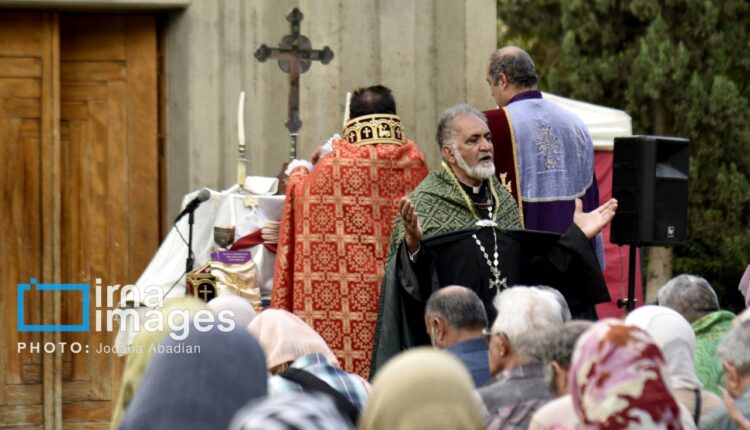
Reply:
x=487, y=335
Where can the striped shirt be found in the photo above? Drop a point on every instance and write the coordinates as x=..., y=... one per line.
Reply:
x=350, y=385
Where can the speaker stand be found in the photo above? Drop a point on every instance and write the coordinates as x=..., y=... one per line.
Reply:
x=629, y=303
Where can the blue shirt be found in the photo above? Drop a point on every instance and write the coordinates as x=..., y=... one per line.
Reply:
x=350, y=385
x=473, y=353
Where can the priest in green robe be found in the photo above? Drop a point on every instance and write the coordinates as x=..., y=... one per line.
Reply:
x=461, y=226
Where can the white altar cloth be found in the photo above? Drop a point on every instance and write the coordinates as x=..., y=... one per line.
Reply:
x=167, y=267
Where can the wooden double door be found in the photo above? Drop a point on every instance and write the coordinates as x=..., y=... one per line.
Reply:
x=80, y=201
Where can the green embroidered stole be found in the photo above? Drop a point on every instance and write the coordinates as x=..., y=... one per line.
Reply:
x=444, y=207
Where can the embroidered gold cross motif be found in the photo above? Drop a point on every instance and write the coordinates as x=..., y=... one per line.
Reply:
x=250, y=202
x=508, y=185
x=548, y=144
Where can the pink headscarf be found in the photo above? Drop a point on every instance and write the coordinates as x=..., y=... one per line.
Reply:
x=285, y=337
x=617, y=380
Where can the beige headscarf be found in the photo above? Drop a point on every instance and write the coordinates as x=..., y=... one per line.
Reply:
x=141, y=353
x=285, y=337
x=423, y=388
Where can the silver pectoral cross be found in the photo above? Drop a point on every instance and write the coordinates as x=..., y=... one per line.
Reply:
x=498, y=283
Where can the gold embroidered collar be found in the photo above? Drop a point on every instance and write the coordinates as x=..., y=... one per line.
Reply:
x=372, y=129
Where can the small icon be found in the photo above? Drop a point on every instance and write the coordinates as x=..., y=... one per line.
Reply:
x=32, y=285
x=670, y=231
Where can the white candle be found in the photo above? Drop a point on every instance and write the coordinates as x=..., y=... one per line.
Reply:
x=346, y=108
x=241, y=120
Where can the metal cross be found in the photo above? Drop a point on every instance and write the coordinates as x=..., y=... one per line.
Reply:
x=204, y=291
x=548, y=144
x=498, y=283
x=295, y=55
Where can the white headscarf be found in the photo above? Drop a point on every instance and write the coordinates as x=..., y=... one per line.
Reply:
x=242, y=311
x=676, y=339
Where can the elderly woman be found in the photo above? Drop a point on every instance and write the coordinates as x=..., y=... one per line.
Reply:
x=235, y=307
x=695, y=299
x=734, y=354
x=143, y=350
x=423, y=389
x=200, y=389
x=676, y=339
x=300, y=360
x=558, y=354
x=525, y=317
x=617, y=381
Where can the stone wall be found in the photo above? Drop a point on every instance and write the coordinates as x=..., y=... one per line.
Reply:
x=432, y=54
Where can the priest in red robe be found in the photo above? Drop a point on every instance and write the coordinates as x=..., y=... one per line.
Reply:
x=336, y=225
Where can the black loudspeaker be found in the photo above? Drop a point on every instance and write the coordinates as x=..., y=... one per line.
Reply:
x=650, y=183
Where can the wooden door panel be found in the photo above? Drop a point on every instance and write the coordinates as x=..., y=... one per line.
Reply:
x=108, y=139
x=74, y=209
x=25, y=81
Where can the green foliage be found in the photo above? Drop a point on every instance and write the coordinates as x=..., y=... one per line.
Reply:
x=678, y=67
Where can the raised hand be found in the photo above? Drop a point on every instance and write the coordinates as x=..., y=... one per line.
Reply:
x=318, y=154
x=413, y=230
x=591, y=223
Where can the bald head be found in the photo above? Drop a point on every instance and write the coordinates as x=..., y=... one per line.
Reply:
x=517, y=66
x=458, y=306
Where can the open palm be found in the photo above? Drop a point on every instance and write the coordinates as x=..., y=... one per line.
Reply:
x=591, y=223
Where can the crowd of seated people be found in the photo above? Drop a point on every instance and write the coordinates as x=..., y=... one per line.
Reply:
x=532, y=367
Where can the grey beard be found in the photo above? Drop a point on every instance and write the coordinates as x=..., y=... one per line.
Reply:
x=479, y=171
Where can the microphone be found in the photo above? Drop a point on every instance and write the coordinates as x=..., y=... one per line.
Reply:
x=202, y=196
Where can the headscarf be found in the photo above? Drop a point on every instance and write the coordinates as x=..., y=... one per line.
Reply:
x=676, y=339
x=242, y=311
x=291, y=410
x=744, y=286
x=141, y=351
x=285, y=337
x=617, y=380
x=201, y=387
x=423, y=388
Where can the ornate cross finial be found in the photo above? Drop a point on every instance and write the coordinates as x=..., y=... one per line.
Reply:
x=294, y=54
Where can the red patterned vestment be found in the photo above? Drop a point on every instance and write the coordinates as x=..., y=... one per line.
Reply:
x=335, y=229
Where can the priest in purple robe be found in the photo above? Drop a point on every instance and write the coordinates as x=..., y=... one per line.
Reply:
x=543, y=153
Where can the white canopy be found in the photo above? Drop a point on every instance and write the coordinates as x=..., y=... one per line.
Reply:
x=604, y=123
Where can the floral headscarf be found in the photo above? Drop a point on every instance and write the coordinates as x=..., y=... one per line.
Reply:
x=617, y=380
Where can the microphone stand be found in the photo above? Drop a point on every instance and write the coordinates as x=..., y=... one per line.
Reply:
x=189, y=261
